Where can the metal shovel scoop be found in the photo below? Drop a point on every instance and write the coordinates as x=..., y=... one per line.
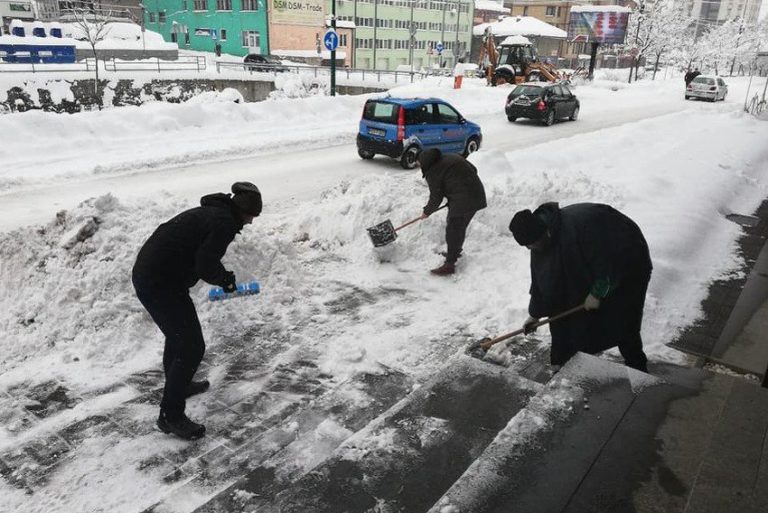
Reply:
x=385, y=233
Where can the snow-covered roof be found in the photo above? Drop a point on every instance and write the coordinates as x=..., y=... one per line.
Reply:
x=600, y=8
x=520, y=26
x=490, y=5
x=516, y=40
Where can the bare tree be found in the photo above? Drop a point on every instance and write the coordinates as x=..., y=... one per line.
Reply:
x=93, y=28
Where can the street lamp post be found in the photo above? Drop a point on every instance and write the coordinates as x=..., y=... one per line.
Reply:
x=456, y=44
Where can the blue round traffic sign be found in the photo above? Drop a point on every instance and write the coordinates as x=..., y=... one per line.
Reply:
x=439, y=47
x=331, y=39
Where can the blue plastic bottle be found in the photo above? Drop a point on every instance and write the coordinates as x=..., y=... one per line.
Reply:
x=243, y=289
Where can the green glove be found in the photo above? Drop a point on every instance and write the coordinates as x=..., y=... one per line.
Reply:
x=600, y=288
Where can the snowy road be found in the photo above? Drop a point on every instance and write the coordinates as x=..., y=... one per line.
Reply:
x=281, y=169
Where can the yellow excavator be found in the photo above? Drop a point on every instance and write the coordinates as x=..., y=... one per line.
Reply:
x=513, y=62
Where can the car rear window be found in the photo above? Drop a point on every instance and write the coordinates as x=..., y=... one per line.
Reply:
x=527, y=90
x=381, y=111
x=704, y=80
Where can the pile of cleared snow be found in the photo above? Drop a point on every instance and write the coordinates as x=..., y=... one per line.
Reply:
x=302, y=85
x=228, y=95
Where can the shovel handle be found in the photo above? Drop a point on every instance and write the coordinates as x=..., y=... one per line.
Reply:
x=417, y=219
x=488, y=343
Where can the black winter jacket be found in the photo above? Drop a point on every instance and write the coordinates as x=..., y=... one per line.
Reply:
x=456, y=179
x=190, y=246
x=591, y=245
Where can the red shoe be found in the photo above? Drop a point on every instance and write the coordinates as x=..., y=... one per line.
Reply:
x=444, y=270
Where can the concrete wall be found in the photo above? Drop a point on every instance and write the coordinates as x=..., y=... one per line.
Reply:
x=23, y=98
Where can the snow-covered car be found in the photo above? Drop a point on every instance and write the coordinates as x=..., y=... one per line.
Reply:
x=707, y=87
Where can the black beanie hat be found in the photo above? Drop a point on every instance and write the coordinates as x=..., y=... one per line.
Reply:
x=247, y=198
x=427, y=158
x=526, y=227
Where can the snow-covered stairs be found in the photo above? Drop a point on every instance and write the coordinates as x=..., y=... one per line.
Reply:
x=598, y=437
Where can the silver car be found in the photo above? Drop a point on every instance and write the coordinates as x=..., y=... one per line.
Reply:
x=707, y=87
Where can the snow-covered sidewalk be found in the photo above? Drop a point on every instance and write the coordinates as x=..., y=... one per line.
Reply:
x=79, y=370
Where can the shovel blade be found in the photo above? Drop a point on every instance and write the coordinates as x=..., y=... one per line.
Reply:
x=382, y=234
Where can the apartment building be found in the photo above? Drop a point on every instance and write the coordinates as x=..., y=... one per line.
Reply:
x=392, y=33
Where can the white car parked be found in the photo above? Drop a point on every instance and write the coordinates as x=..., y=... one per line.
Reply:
x=707, y=87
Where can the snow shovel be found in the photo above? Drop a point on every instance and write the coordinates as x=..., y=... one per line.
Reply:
x=479, y=349
x=384, y=233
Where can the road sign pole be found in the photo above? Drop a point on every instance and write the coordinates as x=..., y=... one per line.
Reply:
x=333, y=52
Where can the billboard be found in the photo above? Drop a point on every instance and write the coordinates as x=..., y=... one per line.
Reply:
x=598, y=26
x=298, y=12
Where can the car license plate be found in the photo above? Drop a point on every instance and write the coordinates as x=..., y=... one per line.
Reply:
x=522, y=101
x=377, y=131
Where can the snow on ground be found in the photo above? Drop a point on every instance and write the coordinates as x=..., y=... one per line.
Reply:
x=69, y=315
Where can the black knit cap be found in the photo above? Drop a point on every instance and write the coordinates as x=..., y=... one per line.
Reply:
x=526, y=227
x=247, y=198
x=427, y=158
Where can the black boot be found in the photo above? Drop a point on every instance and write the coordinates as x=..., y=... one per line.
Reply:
x=197, y=387
x=180, y=426
x=444, y=270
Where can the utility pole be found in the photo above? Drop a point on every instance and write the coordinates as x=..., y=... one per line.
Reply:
x=458, y=19
x=411, y=33
x=375, y=29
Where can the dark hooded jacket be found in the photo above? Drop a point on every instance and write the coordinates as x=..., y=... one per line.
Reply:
x=454, y=178
x=190, y=246
x=594, y=248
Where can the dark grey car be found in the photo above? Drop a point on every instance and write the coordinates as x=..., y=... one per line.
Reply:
x=542, y=101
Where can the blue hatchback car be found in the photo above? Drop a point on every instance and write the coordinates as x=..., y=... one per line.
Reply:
x=402, y=127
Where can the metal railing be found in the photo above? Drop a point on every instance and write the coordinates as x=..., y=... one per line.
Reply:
x=317, y=71
x=756, y=106
x=191, y=63
x=32, y=67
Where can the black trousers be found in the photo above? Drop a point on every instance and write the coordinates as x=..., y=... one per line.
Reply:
x=174, y=313
x=455, y=232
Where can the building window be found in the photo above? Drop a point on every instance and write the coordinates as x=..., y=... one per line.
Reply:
x=342, y=40
x=223, y=34
x=551, y=10
x=251, y=39
x=201, y=5
x=151, y=17
x=161, y=16
x=223, y=5
x=250, y=5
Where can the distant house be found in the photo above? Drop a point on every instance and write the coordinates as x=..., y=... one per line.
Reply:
x=546, y=38
x=489, y=10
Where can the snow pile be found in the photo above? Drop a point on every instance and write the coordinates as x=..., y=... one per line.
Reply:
x=302, y=85
x=228, y=95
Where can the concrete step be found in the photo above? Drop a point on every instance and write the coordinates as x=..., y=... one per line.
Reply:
x=286, y=446
x=406, y=458
x=539, y=458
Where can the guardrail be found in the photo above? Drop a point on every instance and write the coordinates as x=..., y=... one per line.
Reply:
x=349, y=73
x=31, y=67
x=191, y=63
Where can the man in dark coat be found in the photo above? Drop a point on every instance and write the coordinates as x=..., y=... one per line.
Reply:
x=691, y=75
x=180, y=252
x=589, y=254
x=451, y=176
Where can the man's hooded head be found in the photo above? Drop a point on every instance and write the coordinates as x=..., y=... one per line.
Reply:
x=429, y=158
x=527, y=228
x=247, y=198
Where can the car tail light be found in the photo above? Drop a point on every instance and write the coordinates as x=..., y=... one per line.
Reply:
x=541, y=105
x=713, y=88
x=689, y=87
x=401, y=124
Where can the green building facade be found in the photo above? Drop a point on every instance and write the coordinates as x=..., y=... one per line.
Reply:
x=239, y=26
x=405, y=33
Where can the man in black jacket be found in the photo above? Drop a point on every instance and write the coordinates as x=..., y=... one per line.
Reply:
x=451, y=176
x=589, y=254
x=180, y=252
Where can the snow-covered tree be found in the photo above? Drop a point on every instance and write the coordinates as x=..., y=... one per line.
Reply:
x=92, y=28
